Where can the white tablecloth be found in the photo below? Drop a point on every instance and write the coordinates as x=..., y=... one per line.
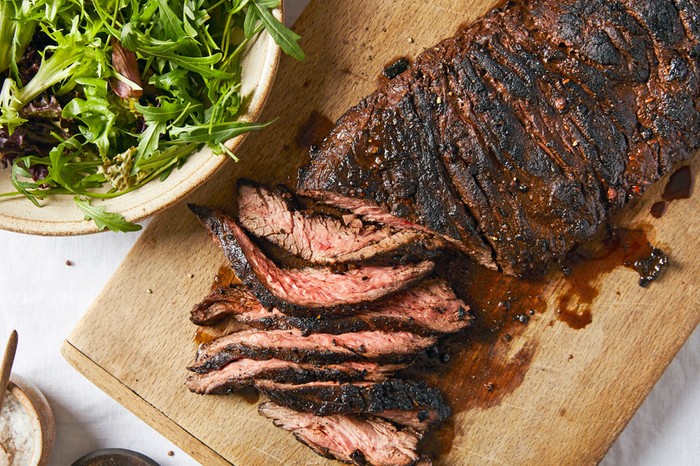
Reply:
x=43, y=298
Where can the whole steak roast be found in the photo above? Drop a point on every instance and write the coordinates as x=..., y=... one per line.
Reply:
x=516, y=139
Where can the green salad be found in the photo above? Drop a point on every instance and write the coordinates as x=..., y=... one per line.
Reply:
x=117, y=93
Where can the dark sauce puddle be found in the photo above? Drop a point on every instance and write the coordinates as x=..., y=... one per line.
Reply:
x=312, y=133
x=658, y=209
x=489, y=361
x=679, y=186
x=481, y=371
x=225, y=276
x=623, y=247
x=249, y=394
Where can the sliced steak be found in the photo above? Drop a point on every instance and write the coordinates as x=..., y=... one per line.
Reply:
x=244, y=372
x=308, y=287
x=223, y=302
x=318, y=348
x=420, y=419
x=350, y=439
x=372, y=212
x=325, y=398
x=239, y=304
x=429, y=308
x=319, y=238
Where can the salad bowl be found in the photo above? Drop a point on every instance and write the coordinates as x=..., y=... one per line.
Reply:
x=58, y=215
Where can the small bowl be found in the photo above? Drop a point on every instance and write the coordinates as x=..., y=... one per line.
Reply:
x=41, y=420
x=59, y=216
x=114, y=456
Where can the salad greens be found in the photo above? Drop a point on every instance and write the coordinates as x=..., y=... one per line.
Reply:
x=119, y=92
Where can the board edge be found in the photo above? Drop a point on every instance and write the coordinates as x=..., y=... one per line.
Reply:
x=141, y=408
x=654, y=380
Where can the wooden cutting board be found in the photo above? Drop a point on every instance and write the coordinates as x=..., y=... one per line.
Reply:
x=541, y=393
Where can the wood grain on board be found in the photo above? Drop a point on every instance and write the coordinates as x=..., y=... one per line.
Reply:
x=526, y=394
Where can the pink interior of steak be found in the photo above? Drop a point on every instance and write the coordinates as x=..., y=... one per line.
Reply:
x=342, y=437
x=359, y=345
x=321, y=287
x=267, y=213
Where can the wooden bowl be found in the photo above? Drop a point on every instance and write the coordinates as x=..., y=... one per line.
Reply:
x=40, y=417
x=59, y=216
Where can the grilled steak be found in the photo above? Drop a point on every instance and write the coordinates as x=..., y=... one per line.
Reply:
x=309, y=287
x=523, y=133
x=513, y=142
x=350, y=439
x=429, y=308
x=318, y=348
x=372, y=212
x=244, y=372
x=417, y=419
x=273, y=214
x=325, y=398
x=223, y=302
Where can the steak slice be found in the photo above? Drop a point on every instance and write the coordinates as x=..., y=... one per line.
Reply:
x=373, y=212
x=318, y=348
x=419, y=420
x=308, y=287
x=223, y=302
x=326, y=398
x=350, y=439
x=272, y=214
x=429, y=308
x=244, y=372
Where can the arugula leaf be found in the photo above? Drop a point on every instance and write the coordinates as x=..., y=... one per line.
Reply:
x=150, y=138
x=156, y=48
x=169, y=110
x=103, y=219
x=250, y=23
x=283, y=36
x=95, y=112
x=19, y=173
x=161, y=160
x=213, y=135
x=172, y=25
